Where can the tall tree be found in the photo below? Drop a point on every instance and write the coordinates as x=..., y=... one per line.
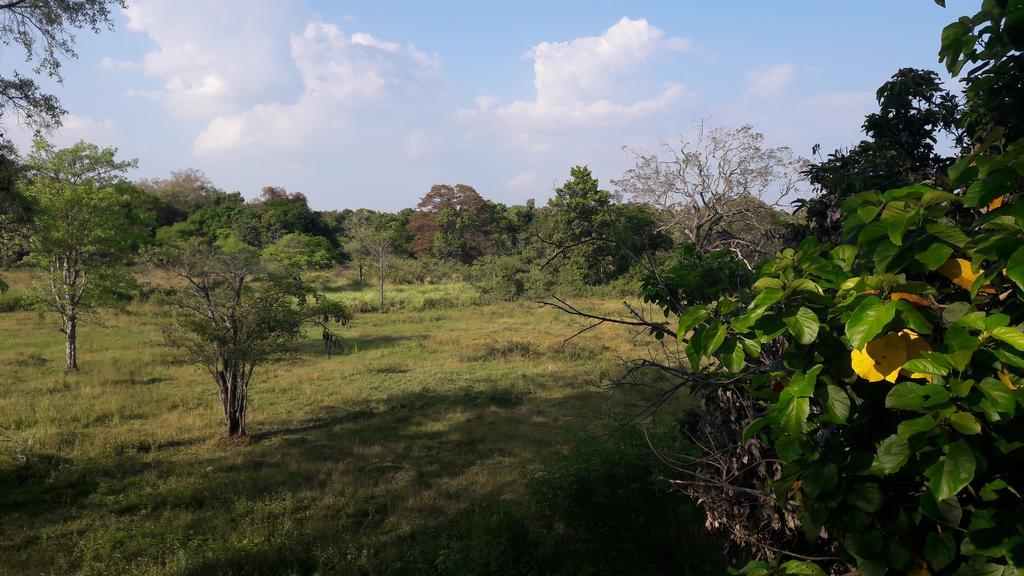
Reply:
x=84, y=227
x=915, y=110
x=600, y=237
x=720, y=191
x=451, y=222
x=232, y=314
x=45, y=30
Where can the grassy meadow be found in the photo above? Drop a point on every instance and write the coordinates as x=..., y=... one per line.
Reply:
x=450, y=436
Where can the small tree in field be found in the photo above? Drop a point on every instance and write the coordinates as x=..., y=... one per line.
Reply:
x=85, y=224
x=371, y=243
x=232, y=314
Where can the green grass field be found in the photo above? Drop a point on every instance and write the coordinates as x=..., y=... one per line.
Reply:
x=419, y=449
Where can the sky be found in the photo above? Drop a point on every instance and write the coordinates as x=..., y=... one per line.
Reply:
x=366, y=104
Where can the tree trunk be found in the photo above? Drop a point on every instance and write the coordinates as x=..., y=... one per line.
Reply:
x=71, y=344
x=360, y=273
x=382, y=289
x=233, y=392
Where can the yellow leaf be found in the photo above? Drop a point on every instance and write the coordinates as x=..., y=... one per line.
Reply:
x=919, y=571
x=912, y=298
x=960, y=273
x=880, y=359
x=883, y=357
x=916, y=346
x=1004, y=376
x=995, y=203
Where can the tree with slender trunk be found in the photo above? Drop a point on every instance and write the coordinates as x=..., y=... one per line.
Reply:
x=371, y=242
x=86, y=222
x=233, y=313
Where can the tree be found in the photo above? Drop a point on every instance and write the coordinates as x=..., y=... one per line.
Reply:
x=84, y=227
x=180, y=194
x=600, y=237
x=232, y=314
x=301, y=251
x=45, y=29
x=721, y=191
x=371, y=242
x=870, y=392
x=914, y=111
x=451, y=222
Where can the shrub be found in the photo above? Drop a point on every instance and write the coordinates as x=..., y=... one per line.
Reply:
x=11, y=301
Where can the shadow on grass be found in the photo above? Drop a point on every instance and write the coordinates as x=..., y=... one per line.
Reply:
x=465, y=481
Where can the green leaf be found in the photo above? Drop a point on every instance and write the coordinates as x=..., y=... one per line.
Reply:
x=961, y=346
x=928, y=363
x=997, y=320
x=750, y=347
x=949, y=233
x=731, y=354
x=952, y=472
x=1015, y=267
x=885, y=251
x=918, y=425
x=713, y=338
x=939, y=550
x=998, y=399
x=973, y=320
x=965, y=423
x=868, y=319
x=837, y=406
x=764, y=300
x=803, y=325
x=867, y=496
x=1012, y=336
x=794, y=414
x=913, y=318
x=766, y=282
x=868, y=212
x=935, y=256
x=896, y=216
x=892, y=454
x=801, y=568
x=690, y=317
x=804, y=285
x=912, y=396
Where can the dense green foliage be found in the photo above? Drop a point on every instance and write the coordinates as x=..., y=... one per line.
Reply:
x=915, y=110
x=895, y=406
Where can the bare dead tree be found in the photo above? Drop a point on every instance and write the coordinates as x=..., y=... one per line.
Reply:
x=723, y=190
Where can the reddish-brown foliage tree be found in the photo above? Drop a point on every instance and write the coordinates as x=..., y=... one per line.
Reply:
x=451, y=222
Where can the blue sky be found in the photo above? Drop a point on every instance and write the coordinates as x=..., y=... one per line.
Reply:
x=367, y=104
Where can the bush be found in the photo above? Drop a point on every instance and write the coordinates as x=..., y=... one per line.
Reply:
x=499, y=277
x=425, y=270
x=11, y=301
x=895, y=406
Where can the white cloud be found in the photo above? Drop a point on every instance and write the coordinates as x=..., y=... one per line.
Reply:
x=585, y=80
x=365, y=39
x=338, y=74
x=769, y=82
x=210, y=56
x=524, y=180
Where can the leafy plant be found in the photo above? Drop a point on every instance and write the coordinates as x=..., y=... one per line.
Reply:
x=895, y=405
